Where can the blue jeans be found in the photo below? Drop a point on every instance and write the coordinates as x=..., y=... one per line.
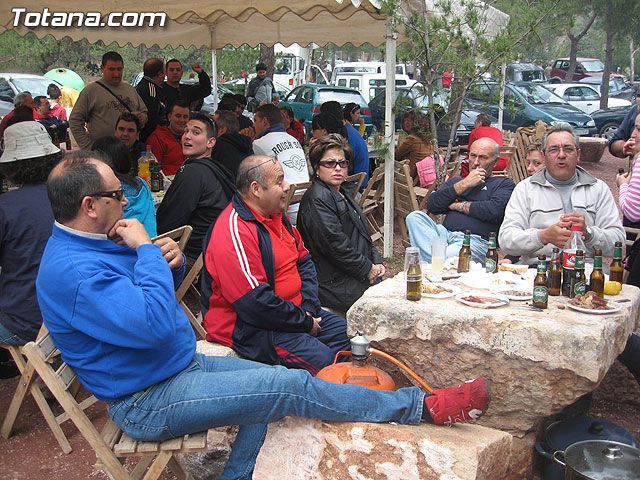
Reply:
x=422, y=230
x=217, y=391
x=9, y=338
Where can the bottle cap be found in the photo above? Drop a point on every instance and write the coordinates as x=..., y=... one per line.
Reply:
x=575, y=227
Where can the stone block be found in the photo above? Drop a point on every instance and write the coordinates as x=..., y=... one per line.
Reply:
x=214, y=349
x=316, y=450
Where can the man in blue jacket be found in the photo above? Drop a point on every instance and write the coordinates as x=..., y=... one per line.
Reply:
x=475, y=203
x=116, y=322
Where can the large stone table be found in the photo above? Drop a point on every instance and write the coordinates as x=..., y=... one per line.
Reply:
x=536, y=362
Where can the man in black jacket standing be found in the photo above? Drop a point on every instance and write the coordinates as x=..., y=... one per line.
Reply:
x=192, y=94
x=200, y=190
x=231, y=147
x=151, y=91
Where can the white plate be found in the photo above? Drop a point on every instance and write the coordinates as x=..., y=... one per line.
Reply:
x=500, y=300
x=592, y=311
x=528, y=295
x=482, y=280
x=454, y=290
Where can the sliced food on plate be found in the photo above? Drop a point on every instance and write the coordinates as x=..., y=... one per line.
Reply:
x=439, y=290
x=592, y=303
x=483, y=300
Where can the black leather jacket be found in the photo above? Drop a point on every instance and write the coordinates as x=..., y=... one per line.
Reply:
x=336, y=233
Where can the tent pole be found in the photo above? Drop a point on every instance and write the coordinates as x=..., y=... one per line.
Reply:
x=389, y=125
x=214, y=69
x=503, y=83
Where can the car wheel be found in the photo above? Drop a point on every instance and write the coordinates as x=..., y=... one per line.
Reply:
x=608, y=129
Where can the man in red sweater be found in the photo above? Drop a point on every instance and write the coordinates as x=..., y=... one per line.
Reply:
x=485, y=130
x=260, y=287
x=165, y=141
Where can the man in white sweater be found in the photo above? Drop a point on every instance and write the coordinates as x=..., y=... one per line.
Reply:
x=101, y=102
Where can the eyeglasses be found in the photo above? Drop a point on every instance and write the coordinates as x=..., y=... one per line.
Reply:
x=333, y=163
x=555, y=150
x=115, y=194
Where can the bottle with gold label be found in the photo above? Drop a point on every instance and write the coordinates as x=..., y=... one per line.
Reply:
x=596, y=280
x=414, y=274
x=540, y=288
x=579, y=279
x=554, y=273
x=464, y=257
x=491, y=262
x=616, y=269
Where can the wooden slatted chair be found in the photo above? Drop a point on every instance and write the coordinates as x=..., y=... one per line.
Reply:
x=27, y=385
x=113, y=446
x=181, y=235
x=358, y=179
x=405, y=198
x=188, y=285
x=509, y=152
x=372, y=203
x=296, y=191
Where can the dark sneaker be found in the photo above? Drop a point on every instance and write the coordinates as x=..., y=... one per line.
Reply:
x=467, y=401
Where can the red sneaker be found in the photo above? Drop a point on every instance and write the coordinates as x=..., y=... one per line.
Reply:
x=467, y=401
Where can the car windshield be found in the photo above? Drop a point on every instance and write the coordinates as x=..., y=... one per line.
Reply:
x=35, y=86
x=283, y=66
x=593, y=66
x=537, y=95
x=341, y=96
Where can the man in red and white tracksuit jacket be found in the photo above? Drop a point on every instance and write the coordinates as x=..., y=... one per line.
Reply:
x=260, y=288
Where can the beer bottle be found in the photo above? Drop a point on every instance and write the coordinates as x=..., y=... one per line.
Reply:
x=414, y=275
x=574, y=244
x=554, y=273
x=68, y=140
x=492, y=255
x=540, y=288
x=156, y=177
x=596, y=281
x=578, y=280
x=616, y=269
x=464, y=257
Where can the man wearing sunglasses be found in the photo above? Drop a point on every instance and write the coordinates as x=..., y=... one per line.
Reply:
x=543, y=207
x=111, y=310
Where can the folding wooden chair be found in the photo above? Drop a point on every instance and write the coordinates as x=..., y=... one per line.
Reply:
x=358, y=179
x=181, y=235
x=188, y=285
x=113, y=446
x=27, y=385
x=372, y=201
x=405, y=198
x=296, y=191
x=510, y=153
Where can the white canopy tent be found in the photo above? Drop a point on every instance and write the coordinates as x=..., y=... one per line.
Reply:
x=251, y=22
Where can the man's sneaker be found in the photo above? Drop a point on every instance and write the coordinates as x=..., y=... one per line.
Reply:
x=463, y=402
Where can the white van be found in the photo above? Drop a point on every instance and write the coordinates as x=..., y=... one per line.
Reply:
x=364, y=67
x=369, y=84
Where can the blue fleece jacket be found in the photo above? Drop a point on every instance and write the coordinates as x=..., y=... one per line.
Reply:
x=360, y=152
x=112, y=313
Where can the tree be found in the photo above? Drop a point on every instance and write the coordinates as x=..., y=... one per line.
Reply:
x=573, y=49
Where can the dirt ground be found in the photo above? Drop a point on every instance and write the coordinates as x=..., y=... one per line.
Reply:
x=32, y=452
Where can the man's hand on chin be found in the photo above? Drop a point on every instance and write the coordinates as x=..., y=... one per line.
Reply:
x=129, y=231
x=170, y=251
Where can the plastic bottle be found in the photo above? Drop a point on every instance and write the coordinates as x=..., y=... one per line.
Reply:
x=574, y=244
x=143, y=168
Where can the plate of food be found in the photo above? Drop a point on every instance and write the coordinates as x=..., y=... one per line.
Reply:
x=517, y=293
x=592, y=303
x=491, y=300
x=439, y=290
x=481, y=280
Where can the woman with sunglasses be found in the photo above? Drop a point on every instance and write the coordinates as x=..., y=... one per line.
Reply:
x=334, y=229
x=134, y=188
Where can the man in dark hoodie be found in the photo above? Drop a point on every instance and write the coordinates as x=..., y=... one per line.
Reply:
x=231, y=147
x=200, y=190
x=151, y=92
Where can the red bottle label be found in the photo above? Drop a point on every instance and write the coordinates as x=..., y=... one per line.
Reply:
x=569, y=260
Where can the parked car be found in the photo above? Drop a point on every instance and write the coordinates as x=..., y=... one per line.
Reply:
x=305, y=101
x=618, y=87
x=585, y=67
x=369, y=84
x=525, y=72
x=584, y=96
x=526, y=103
x=411, y=98
x=13, y=83
x=608, y=120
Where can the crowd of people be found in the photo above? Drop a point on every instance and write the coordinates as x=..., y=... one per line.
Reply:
x=276, y=285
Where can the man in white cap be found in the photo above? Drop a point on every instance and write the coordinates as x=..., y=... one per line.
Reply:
x=25, y=226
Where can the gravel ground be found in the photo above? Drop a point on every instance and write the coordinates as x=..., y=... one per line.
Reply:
x=32, y=453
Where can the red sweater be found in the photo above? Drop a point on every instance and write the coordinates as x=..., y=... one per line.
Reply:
x=166, y=149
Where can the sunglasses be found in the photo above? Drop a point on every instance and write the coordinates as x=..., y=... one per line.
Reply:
x=115, y=194
x=333, y=163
